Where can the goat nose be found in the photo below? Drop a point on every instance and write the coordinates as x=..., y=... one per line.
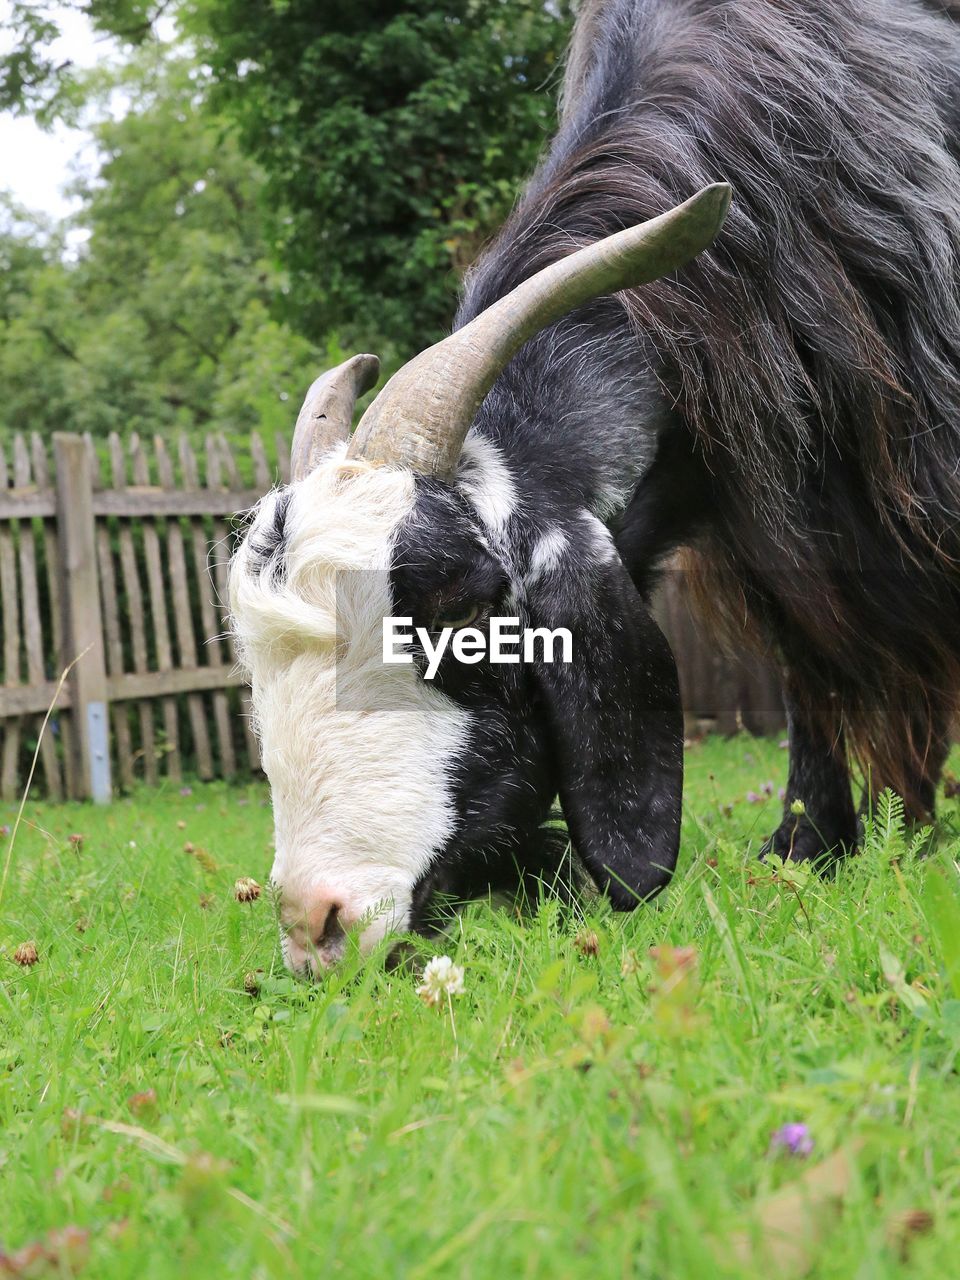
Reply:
x=330, y=933
x=316, y=937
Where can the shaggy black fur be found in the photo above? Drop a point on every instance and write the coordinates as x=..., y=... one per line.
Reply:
x=799, y=384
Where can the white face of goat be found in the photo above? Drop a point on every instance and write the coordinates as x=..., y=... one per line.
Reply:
x=356, y=751
x=386, y=786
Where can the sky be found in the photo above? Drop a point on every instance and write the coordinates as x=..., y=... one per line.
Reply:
x=35, y=164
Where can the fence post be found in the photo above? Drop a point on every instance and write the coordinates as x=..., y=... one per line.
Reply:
x=82, y=624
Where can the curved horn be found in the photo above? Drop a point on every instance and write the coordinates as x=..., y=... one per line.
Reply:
x=421, y=417
x=327, y=412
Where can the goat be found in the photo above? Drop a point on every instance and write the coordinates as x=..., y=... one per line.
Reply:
x=781, y=398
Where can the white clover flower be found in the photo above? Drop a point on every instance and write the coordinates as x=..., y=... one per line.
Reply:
x=441, y=978
x=798, y=807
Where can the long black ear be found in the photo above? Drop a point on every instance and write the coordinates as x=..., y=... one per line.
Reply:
x=617, y=728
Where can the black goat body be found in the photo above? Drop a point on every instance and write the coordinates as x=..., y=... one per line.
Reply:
x=787, y=407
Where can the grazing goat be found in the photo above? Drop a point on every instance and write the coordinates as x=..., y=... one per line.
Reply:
x=784, y=404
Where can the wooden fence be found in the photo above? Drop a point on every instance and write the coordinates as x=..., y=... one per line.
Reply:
x=120, y=554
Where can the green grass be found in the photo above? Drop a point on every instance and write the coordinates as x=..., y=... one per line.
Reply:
x=571, y=1114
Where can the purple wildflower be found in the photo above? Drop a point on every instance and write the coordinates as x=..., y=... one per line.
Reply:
x=784, y=744
x=767, y=788
x=781, y=793
x=186, y=791
x=752, y=798
x=792, y=1139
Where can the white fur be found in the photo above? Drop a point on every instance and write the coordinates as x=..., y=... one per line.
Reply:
x=547, y=553
x=358, y=753
x=486, y=480
x=602, y=546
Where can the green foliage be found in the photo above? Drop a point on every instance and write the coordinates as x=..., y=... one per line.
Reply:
x=29, y=73
x=292, y=178
x=36, y=301
x=588, y=1107
x=393, y=138
x=36, y=78
x=165, y=318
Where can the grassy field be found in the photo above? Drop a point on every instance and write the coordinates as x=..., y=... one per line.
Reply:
x=585, y=1107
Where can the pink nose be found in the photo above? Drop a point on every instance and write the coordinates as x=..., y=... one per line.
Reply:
x=315, y=933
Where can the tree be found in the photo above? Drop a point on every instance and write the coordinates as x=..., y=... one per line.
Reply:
x=157, y=324
x=393, y=137
x=36, y=302
x=294, y=175
x=34, y=77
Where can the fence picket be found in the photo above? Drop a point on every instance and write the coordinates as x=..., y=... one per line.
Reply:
x=158, y=611
x=94, y=457
x=11, y=645
x=113, y=635
x=183, y=617
x=119, y=711
x=41, y=474
x=209, y=618
x=261, y=468
x=30, y=603
x=134, y=610
x=235, y=484
x=86, y=682
x=218, y=560
x=51, y=557
x=220, y=553
x=228, y=463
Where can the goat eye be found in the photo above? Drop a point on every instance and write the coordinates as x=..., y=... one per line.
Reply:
x=457, y=616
